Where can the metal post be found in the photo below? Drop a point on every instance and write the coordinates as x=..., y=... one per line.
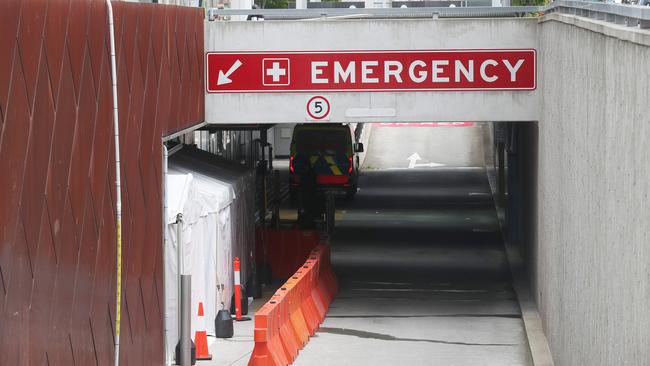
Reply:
x=330, y=211
x=179, y=258
x=252, y=149
x=186, y=306
x=502, y=173
x=276, y=199
x=240, y=149
x=184, y=299
x=263, y=142
x=261, y=187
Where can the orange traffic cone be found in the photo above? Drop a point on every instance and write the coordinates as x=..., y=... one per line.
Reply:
x=201, y=338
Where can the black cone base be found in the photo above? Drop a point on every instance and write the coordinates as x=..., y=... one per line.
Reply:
x=178, y=353
x=223, y=324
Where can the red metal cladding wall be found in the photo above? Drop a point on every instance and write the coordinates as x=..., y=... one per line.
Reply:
x=57, y=193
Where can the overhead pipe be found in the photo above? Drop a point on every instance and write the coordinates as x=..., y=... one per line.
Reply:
x=118, y=188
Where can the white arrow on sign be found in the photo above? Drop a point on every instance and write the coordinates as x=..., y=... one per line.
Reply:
x=224, y=77
x=413, y=162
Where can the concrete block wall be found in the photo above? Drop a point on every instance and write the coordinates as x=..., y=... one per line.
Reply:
x=592, y=255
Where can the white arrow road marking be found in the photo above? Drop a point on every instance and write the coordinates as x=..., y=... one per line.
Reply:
x=413, y=162
x=224, y=77
x=413, y=159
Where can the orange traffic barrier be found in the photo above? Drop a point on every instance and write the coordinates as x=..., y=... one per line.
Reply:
x=293, y=314
x=308, y=307
x=201, y=337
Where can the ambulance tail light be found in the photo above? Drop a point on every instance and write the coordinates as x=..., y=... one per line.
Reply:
x=291, y=168
x=350, y=167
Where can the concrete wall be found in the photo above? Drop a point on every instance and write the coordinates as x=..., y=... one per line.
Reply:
x=592, y=255
x=387, y=34
x=282, y=139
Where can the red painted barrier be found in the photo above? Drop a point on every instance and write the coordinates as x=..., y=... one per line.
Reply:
x=293, y=314
x=286, y=249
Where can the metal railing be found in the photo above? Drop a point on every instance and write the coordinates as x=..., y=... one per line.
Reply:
x=629, y=15
x=376, y=13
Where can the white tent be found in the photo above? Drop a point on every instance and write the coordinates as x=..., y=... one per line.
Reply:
x=215, y=200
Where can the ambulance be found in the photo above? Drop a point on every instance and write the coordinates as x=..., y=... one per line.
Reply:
x=324, y=155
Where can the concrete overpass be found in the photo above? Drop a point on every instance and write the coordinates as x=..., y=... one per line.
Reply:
x=376, y=35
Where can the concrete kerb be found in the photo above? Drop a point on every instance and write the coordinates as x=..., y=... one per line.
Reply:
x=537, y=343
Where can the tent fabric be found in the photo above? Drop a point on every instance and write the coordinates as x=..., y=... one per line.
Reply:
x=216, y=200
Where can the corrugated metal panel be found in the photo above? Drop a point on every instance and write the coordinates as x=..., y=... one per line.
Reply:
x=57, y=194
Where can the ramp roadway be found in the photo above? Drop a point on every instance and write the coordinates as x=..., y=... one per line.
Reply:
x=423, y=277
x=421, y=265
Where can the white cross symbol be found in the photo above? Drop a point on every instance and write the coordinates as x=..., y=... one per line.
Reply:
x=276, y=71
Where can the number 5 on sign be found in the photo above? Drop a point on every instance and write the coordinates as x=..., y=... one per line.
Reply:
x=318, y=108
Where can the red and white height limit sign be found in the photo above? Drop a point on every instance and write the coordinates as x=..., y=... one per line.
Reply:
x=422, y=70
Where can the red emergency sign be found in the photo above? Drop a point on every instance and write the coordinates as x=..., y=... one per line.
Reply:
x=293, y=71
